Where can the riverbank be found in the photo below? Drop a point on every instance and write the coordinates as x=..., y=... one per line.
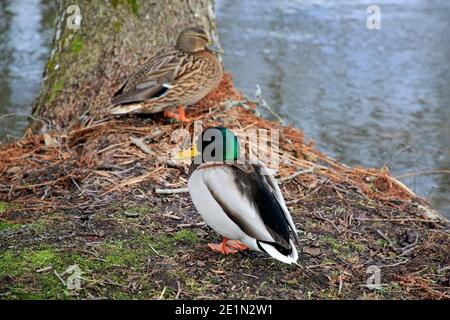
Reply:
x=87, y=198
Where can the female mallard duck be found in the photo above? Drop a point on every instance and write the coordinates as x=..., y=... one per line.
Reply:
x=175, y=77
x=239, y=201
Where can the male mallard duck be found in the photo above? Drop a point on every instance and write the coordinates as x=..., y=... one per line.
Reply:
x=239, y=201
x=175, y=77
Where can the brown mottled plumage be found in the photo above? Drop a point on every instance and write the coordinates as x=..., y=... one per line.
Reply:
x=174, y=77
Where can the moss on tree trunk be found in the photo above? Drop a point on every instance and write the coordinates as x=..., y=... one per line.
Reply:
x=89, y=63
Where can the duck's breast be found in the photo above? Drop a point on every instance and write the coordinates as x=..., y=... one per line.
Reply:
x=210, y=210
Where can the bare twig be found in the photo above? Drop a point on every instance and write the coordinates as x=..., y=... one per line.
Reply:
x=395, y=264
x=179, y=290
x=111, y=147
x=341, y=283
x=394, y=219
x=385, y=237
x=154, y=250
x=59, y=277
x=139, y=142
x=420, y=173
x=171, y=191
x=172, y=216
x=48, y=268
x=296, y=174
x=162, y=293
x=185, y=225
x=443, y=269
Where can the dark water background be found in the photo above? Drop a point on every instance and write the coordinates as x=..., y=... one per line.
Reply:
x=26, y=31
x=367, y=97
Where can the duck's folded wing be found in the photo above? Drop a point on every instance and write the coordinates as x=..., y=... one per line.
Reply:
x=264, y=174
x=153, y=80
x=247, y=204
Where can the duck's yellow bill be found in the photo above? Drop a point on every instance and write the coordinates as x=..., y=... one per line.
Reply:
x=187, y=154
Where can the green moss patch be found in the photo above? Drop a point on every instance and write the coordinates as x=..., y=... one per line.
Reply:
x=132, y=5
x=4, y=225
x=186, y=236
x=56, y=89
x=3, y=207
x=77, y=45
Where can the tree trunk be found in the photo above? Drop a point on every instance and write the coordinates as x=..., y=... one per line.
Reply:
x=89, y=63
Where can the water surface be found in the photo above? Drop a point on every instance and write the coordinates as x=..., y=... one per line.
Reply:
x=26, y=31
x=367, y=97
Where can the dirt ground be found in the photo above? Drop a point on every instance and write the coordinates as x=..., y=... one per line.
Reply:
x=84, y=202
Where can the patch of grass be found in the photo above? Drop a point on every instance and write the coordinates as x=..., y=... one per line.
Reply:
x=327, y=261
x=359, y=247
x=42, y=286
x=329, y=294
x=186, y=236
x=38, y=226
x=381, y=243
x=42, y=258
x=139, y=210
x=3, y=207
x=5, y=225
x=135, y=252
x=163, y=243
x=29, y=284
x=343, y=246
x=119, y=253
x=196, y=286
x=178, y=274
x=335, y=244
x=26, y=261
x=10, y=263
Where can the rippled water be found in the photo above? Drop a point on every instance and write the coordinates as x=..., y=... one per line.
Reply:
x=367, y=97
x=26, y=30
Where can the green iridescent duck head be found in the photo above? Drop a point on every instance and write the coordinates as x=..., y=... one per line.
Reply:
x=218, y=144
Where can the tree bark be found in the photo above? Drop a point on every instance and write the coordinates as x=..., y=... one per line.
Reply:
x=87, y=65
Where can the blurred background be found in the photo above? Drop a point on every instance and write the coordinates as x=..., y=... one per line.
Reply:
x=366, y=97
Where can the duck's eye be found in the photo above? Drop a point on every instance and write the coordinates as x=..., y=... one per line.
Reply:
x=204, y=38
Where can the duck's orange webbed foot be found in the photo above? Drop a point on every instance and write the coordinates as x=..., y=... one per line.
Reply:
x=236, y=244
x=228, y=246
x=181, y=116
x=223, y=248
